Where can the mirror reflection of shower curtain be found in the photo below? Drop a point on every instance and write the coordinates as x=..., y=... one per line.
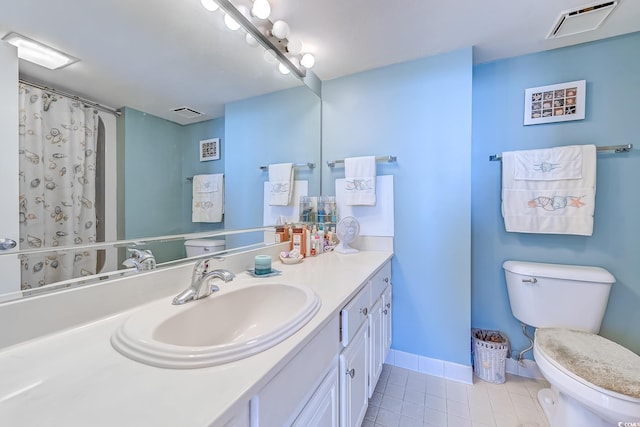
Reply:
x=57, y=155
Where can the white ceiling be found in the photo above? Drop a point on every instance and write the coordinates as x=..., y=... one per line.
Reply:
x=160, y=54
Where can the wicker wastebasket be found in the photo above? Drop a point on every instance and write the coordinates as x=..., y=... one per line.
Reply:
x=490, y=350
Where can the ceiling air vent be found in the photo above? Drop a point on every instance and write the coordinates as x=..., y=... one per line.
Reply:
x=187, y=113
x=584, y=18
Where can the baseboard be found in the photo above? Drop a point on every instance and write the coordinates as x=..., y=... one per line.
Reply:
x=434, y=367
x=454, y=371
x=527, y=368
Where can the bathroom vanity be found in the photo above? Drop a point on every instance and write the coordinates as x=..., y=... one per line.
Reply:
x=58, y=366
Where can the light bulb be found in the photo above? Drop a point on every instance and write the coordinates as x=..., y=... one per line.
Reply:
x=210, y=5
x=280, y=29
x=307, y=60
x=231, y=23
x=261, y=9
x=283, y=69
x=294, y=46
x=251, y=41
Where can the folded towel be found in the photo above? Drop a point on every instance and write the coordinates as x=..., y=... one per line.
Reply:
x=360, y=181
x=208, y=198
x=281, y=184
x=549, y=164
x=558, y=206
x=205, y=183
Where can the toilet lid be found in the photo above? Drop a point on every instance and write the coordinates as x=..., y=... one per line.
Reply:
x=592, y=358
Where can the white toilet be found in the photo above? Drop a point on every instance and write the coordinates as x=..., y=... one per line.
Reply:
x=196, y=247
x=594, y=382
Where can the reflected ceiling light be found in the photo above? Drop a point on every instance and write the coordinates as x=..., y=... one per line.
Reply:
x=270, y=56
x=307, y=60
x=231, y=23
x=261, y=9
x=39, y=53
x=283, y=69
x=210, y=5
x=251, y=41
x=294, y=46
x=280, y=29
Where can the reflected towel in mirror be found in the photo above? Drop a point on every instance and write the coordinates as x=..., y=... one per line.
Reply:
x=280, y=184
x=208, y=198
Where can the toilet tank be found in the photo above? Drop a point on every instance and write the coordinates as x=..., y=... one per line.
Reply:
x=556, y=295
x=197, y=247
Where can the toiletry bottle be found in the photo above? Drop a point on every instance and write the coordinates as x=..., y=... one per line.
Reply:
x=297, y=243
x=307, y=236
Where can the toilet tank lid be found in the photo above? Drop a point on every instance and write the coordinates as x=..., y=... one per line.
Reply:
x=204, y=242
x=560, y=271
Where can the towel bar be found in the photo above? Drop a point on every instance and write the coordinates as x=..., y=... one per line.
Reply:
x=388, y=159
x=297, y=165
x=615, y=148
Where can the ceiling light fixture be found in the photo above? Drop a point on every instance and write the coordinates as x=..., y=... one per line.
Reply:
x=273, y=36
x=39, y=53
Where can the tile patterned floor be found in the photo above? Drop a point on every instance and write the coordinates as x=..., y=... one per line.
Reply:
x=407, y=398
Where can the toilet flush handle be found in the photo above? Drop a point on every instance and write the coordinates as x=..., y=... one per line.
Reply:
x=532, y=280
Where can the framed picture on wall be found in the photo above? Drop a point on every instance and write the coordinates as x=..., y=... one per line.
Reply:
x=209, y=149
x=555, y=103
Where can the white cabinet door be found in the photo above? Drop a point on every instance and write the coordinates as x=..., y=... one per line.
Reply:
x=354, y=396
x=386, y=322
x=376, y=345
x=322, y=408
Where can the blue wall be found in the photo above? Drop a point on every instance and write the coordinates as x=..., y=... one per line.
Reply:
x=158, y=155
x=419, y=111
x=611, y=68
x=275, y=128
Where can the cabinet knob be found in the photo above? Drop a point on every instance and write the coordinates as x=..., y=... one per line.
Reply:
x=386, y=280
x=388, y=305
x=7, y=244
x=351, y=372
x=364, y=311
x=385, y=311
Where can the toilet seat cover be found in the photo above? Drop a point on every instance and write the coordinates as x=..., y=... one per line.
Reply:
x=592, y=358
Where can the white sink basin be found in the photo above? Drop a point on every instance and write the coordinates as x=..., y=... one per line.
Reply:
x=231, y=324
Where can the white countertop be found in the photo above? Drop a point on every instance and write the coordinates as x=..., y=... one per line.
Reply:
x=75, y=378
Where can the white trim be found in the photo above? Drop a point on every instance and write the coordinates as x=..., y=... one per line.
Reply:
x=527, y=368
x=427, y=365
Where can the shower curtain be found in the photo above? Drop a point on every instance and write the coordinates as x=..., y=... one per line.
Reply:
x=57, y=153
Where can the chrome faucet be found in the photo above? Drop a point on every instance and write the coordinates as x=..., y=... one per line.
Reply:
x=140, y=260
x=200, y=287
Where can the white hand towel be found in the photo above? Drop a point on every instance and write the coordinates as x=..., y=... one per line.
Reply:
x=549, y=164
x=557, y=206
x=208, y=198
x=360, y=181
x=281, y=184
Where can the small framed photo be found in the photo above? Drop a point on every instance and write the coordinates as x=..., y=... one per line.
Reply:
x=209, y=149
x=555, y=103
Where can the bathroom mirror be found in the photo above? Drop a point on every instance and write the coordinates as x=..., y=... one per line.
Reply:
x=260, y=116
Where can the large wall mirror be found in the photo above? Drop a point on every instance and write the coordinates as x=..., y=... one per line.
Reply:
x=146, y=58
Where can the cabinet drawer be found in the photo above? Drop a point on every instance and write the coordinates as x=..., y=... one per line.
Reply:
x=380, y=281
x=354, y=314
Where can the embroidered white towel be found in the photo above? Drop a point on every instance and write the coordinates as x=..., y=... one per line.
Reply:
x=208, y=198
x=360, y=181
x=549, y=164
x=550, y=206
x=281, y=184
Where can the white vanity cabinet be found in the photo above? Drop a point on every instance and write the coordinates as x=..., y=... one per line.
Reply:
x=366, y=337
x=295, y=391
x=379, y=324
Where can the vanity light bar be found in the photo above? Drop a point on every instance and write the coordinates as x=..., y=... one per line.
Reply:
x=230, y=10
x=615, y=148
